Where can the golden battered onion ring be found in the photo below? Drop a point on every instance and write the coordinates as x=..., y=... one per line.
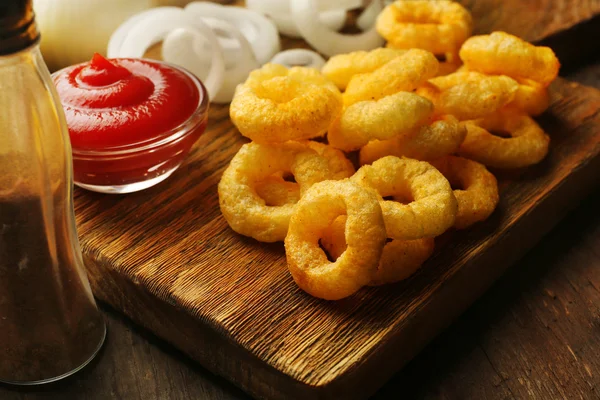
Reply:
x=266, y=72
x=527, y=145
x=450, y=64
x=276, y=191
x=313, y=76
x=429, y=142
x=531, y=97
x=402, y=258
x=403, y=74
x=301, y=74
x=478, y=197
x=365, y=235
x=502, y=54
x=245, y=211
x=333, y=239
x=448, y=81
x=274, y=108
x=399, y=259
x=341, y=68
x=378, y=119
x=337, y=162
x=447, y=68
x=437, y=26
x=433, y=207
x=469, y=95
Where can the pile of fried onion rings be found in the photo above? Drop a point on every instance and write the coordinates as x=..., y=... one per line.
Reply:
x=421, y=134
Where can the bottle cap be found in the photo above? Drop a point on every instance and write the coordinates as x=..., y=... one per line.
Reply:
x=17, y=26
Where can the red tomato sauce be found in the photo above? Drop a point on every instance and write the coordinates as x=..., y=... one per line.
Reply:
x=119, y=105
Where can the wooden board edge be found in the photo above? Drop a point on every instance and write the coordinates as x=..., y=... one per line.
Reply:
x=574, y=45
x=229, y=360
x=180, y=329
x=479, y=274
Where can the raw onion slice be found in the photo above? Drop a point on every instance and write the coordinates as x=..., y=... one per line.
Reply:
x=118, y=36
x=148, y=30
x=367, y=18
x=177, y=45
x=260, y=32
x=299, y=58
x=331, y=14
x=326, y=41
x=330, y=5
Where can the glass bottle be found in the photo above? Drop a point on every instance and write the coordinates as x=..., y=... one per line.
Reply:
x=50, y=326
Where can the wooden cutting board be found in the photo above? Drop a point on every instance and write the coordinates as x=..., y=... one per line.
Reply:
x=166, y=258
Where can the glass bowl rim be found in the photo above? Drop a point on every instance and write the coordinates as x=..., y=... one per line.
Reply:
x=199, y=115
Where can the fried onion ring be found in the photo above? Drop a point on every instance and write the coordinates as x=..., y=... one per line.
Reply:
x=245, y=211
x=447, y=68
x=402, y=258
x=478, y=197
x=404, y=73
x=437, y=26
x=302, y=74
x=450, y=64
x=341, y=68
x=399, y=259
x=531, y=97
x=433, y=207
x=527, y=144
x=275, y=104
x=378, y=119
x=428, y=142
x=364, y=232
x=276, y=191
x=339, y=165
x=469, y=95
x=502, y=54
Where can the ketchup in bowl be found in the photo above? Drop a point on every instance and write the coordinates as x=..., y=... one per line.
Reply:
x=131, y=121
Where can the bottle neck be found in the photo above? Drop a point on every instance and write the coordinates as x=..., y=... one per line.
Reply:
x=18, y=30
x=29, y=57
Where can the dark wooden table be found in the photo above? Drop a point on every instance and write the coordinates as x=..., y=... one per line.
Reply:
x=534, y=335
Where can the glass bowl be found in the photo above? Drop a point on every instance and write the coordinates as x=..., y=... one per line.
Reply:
x=139, y=166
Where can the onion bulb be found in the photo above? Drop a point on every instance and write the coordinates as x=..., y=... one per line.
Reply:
x=73, y=30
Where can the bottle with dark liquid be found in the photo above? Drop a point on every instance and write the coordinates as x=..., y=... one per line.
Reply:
x=50, y=326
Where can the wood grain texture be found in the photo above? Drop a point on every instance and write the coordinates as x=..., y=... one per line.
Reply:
x=534, y=335
x=168, y=260
x=136, y=365
x=531, y=20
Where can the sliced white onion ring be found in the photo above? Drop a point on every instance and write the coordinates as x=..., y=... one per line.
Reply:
x=118, y=36
x=259, y=31
x=176, y=49
x=331, y=5
x=299, y=58
x=331, y=13
x=153, y=28
x=326, y=41
x=367, y=18
x=233, y=42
